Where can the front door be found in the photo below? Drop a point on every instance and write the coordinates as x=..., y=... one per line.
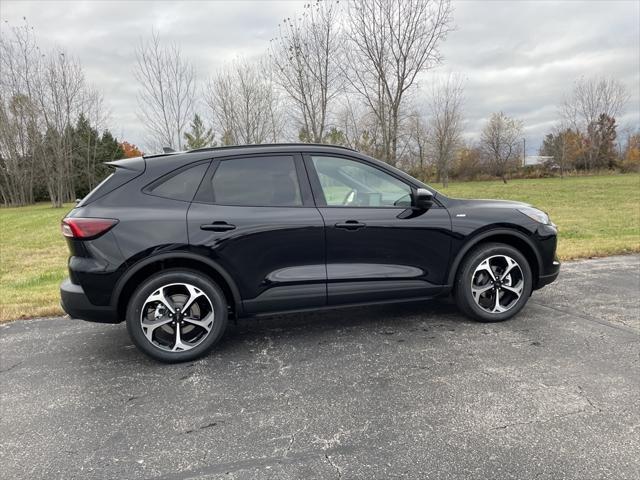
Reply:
x=377, y=248
x=255, y=217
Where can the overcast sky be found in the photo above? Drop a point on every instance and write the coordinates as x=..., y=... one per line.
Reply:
x=520, y=57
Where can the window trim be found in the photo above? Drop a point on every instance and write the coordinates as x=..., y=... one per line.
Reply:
x=148, y=188
x=318, y=192
x=205, y=192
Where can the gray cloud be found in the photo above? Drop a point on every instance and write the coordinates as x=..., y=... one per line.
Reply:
x=520, y=57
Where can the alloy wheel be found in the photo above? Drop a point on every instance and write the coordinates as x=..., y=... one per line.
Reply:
x=497, y=284
x=177, y=317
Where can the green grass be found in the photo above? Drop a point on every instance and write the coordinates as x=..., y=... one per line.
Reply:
x=33, y=260
x=597, y=216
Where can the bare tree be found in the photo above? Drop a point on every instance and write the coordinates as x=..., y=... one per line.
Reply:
x=418, y=129
x=167, y=91
x=590, y=98
x=42, y=96
x=446, y=124
x=500, y=142
x=20, y=71
x=305, y=57
x=96, y=115
x=359, y=127
x=62, y=97
x=391, y=42
x=244, y=105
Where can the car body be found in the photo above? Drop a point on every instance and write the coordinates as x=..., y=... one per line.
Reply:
x=289, y=227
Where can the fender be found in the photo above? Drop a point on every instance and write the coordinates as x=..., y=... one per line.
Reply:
x=476, y=239
x=136, y=267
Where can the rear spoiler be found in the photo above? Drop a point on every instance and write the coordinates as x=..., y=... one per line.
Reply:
x=125, y=170
x=135, y=164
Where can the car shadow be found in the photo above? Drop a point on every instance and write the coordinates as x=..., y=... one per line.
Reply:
x=396, y=317
x=113, y=343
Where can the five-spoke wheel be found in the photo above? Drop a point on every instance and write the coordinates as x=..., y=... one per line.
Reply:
x=177, y=315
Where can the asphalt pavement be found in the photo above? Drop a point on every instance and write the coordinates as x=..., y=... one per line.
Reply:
x=405, y=391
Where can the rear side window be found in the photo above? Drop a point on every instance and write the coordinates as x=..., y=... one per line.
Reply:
x=96, y=192
x=180, y=186
x=258, y=182
x=125, y=170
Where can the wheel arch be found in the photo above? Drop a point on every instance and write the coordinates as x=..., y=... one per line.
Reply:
x=508, y=236
x=144, y=268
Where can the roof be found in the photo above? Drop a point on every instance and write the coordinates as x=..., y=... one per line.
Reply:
x=259, y=148
x=536, y=159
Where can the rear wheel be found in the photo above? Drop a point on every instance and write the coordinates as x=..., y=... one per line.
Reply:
x=177, y=315
x=494, y=283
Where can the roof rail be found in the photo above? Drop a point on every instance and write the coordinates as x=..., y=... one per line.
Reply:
x=299, y=144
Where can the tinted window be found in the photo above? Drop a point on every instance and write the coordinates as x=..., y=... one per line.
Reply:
x=262, y=181
x=347, y=183
x=181, y=186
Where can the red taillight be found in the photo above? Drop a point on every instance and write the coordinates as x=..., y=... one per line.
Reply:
x=86, y=227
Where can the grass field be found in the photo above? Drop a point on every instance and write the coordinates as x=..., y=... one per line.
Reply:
x=596, y=215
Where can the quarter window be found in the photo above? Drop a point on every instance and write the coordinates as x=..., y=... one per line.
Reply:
x=181, y=186
x=259, y=181
x=347, y=183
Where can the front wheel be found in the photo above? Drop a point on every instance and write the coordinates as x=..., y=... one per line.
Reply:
x=494, y=283
x=176, y=315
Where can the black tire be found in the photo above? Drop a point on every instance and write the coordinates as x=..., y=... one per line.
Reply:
x=463, y=290
x=214, y=299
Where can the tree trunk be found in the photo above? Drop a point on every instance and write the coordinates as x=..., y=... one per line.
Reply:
x=445, y=179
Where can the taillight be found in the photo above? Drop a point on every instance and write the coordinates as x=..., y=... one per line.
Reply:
x=86, y=228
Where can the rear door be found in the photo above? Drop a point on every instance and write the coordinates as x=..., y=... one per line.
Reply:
x=254, y=215
x=377, y=248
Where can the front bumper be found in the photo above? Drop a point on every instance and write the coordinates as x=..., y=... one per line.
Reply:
x=75, y=302
x=549, y=277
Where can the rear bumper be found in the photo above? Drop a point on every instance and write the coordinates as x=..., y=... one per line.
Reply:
x=549, y=277
x=74, y=301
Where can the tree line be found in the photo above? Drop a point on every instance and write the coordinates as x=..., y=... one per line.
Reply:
x=53, y=134
x=343, y=73
x=346, y=73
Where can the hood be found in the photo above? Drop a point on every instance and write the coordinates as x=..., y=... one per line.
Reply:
x=487, y=203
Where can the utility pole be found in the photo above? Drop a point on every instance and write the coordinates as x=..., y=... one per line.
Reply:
x=524, y=152
x=563, y=137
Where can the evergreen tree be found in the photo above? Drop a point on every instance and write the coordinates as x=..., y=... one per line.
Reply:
x=303, y=135
x=85, y=143
x=335, y=137
x=90, y=151
x=199, y=136
x=109, y=149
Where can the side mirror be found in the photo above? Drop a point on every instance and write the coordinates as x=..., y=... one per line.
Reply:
x=422, y=199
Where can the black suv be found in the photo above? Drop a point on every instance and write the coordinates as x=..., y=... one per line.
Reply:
x=178, y=243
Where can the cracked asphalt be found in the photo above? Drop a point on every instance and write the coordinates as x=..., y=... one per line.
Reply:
x=410, y=391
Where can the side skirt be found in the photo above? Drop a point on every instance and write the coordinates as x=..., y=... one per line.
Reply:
x=349, y=305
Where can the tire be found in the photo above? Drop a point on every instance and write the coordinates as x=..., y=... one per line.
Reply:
x=504, y=281
x=165, y=333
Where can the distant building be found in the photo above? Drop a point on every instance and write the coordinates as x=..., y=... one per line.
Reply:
x=531, y=160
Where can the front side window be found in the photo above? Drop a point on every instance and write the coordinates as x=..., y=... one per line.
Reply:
x=259, y=182
x=347, y=183
x=182, y=185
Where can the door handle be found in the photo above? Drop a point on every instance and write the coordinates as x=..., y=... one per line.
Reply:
x=218, y=227
x=351, y=225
